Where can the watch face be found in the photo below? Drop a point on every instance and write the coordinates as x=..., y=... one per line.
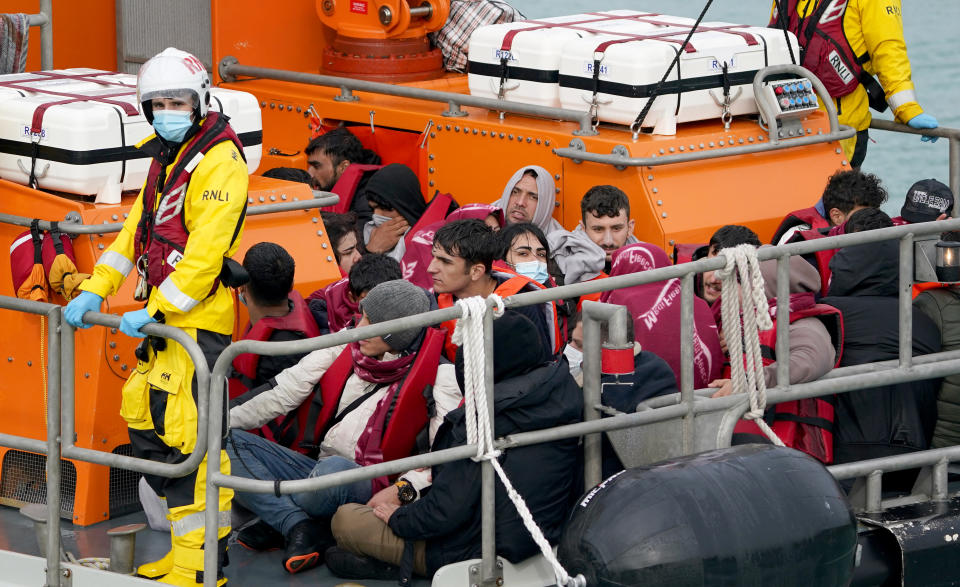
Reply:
x=406, y=493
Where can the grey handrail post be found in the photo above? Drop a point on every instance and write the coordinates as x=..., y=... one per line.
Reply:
x=955, y=173
x=212, y=501
x=616, y=317
x=686, y=361
x=906, y=301
x=53, y=446
x=46, y=35
x=591, y=395
x=783, y=321
x=67, y=383
x=488, y=567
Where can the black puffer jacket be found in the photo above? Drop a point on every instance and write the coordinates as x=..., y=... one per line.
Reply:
x=448, y=516
x=890, y=419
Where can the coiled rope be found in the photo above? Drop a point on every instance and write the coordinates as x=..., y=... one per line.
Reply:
x=469, y=335
x=746, y=299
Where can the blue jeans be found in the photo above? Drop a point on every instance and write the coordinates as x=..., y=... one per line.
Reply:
x=254, y=457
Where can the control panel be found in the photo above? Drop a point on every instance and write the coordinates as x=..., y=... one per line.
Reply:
x=795, y=98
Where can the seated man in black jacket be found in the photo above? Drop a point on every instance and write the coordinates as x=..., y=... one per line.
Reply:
x=442, y=527
x=890, y=419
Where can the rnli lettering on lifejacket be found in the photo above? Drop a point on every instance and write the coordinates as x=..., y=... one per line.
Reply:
x=174, y=257
x=215, y=195
x=893, y=10
x=837, y=63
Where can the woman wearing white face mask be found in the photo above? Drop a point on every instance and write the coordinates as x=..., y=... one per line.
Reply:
x=525, y=251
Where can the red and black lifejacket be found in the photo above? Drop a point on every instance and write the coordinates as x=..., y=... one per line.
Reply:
x=825, y=50
x=418, y=241
x=392, y=430
x=346, y=186
x=162, y=231
x=514, y=284
x=807, y=424
x=809, y=216
x=299, y=320
x=822, y=258
x=284, y=429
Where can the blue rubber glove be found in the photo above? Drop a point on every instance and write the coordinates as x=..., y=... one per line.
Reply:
x=87, y=301
x=921, y=121
x=132, y=322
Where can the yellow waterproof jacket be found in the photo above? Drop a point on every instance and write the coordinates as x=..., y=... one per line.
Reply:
x=211, y=222
x=874, y=28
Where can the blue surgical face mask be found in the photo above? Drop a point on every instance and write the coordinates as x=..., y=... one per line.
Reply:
x=575, y=358
x=535, y=270
x=240, y=297
x=172, y=125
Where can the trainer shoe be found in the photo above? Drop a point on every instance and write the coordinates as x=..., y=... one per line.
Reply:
x=306, y=543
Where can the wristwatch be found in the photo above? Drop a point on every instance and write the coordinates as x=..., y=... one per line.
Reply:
x=406, y=492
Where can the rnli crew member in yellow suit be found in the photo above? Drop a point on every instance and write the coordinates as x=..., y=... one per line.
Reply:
x=847, y=36
x=186, y=221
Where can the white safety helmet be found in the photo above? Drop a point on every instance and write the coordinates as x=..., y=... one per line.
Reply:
x=173, y=73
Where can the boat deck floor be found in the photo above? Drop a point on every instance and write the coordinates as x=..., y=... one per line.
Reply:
x=246, y=567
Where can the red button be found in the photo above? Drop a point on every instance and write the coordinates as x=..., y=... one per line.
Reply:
x=778, y=90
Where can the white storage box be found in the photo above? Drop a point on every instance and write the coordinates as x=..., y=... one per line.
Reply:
x=530, y=51
x=87, y=146
x=630, y=71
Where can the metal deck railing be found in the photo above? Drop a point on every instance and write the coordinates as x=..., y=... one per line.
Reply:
x=680, y=412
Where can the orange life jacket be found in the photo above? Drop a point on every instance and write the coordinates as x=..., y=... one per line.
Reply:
x=514, y=284
x=594, y=297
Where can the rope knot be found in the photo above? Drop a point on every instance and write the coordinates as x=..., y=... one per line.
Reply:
x=744, y=313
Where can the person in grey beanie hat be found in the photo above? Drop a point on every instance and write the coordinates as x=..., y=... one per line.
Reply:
x=396, y=299
x=349, y=425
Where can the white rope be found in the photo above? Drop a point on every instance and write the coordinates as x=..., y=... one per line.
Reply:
x=92, y=562
x=469, y=335
x=746, y=299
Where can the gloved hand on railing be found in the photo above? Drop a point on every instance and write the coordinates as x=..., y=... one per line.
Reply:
x=132, y=322
x=921, y=121
x=87, y=301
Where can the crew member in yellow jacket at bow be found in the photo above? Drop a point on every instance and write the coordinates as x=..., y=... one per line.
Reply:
x=187, y=220
x=848, y=42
